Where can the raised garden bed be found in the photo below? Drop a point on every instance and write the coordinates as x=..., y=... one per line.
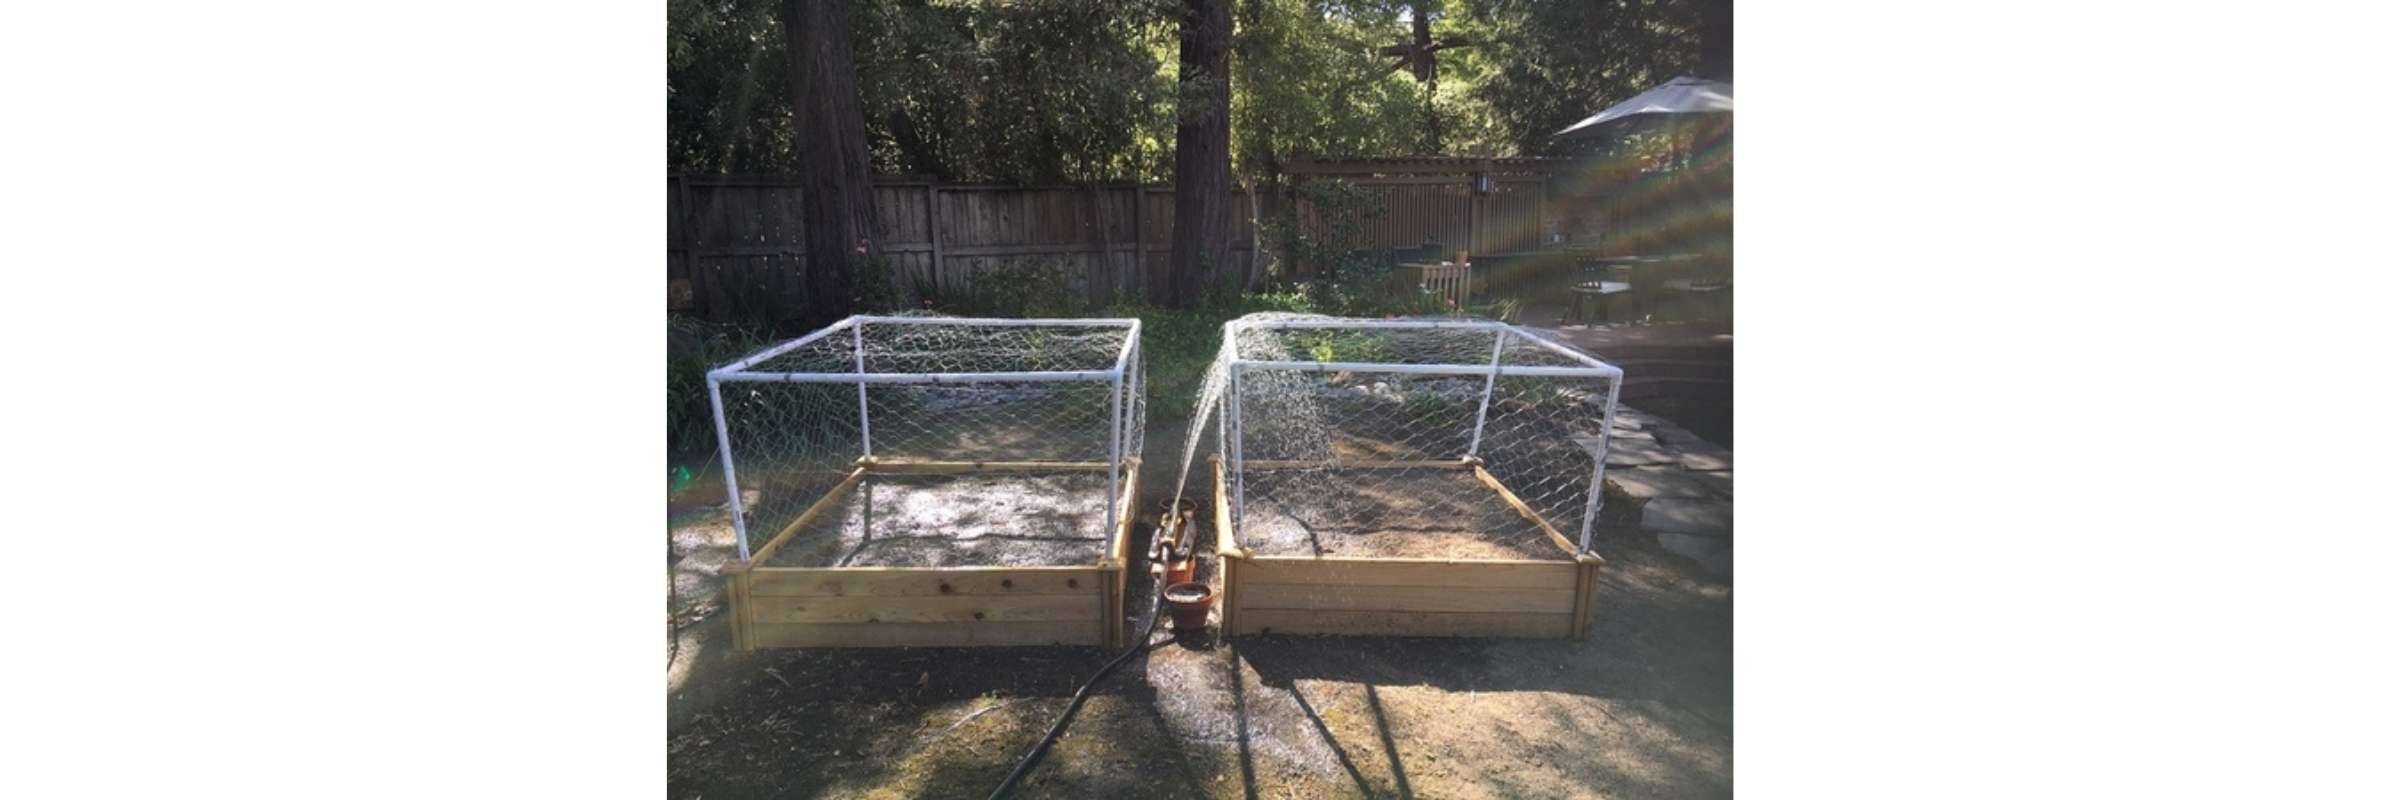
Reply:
x=929, y=481
x=1373, y=480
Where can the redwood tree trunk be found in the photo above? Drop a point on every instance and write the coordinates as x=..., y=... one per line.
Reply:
x=838, y=202
x=1202, y=251
x=1716, y=40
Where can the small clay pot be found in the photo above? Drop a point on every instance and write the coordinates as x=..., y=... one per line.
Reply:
x=1188, y=604
x=1179, y=506
x=1179, y=568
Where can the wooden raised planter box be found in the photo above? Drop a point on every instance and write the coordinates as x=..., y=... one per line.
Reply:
x=1348, y=596
x=933, y=606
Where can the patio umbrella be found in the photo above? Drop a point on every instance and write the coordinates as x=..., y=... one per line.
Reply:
x=1681, y=96
x=1671, y=213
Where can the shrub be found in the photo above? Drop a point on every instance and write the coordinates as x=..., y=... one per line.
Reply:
x=693, y=348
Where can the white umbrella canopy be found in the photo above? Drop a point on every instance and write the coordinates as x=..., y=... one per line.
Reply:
x=1684, y=95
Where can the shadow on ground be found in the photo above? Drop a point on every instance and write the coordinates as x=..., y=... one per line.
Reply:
x=1643, y=707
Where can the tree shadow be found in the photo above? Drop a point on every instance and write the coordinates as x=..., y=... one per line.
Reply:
x=1331, y=741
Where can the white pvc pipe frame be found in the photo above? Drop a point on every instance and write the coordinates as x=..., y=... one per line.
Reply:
x=1491, y=373
x=1127, y=363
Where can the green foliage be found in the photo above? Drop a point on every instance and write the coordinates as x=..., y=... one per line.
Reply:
x=1179, y=344
x=1553, y=62
x=1017, y=92
x=729, y=108
x=985, y=91
x=1042, y=92
x=878, y=287
x=1028, y=286
x=1504, y=309
x=694, y=348
x=1338, y=278
x=1308, y=83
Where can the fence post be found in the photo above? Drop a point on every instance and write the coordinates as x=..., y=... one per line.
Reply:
x=1098, y=275
x=691, y=258
x=1141, y=266
x=1475, y=215
x=1541, y=212
x=933, y=229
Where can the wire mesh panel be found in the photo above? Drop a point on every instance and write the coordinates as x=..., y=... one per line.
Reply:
x=849, y=444
x=1416, y=439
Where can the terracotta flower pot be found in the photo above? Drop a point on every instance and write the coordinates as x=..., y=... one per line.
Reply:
x=1188, y=604
x=1179, y=568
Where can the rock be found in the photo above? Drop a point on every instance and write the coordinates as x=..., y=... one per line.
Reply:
x=1697, y=517
x=1655, y=481
x=1713, y=554
x=1711, y=460
x=1637, y=452
x=1679, y=437
x=1718, y=482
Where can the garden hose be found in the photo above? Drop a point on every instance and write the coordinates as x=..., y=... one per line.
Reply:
x=1140, y=643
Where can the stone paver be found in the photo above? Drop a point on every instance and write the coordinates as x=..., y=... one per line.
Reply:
x=1664, y=481
x=1718, y=461
x=1636, y=452
x=1685, y=484
x=1696, y=516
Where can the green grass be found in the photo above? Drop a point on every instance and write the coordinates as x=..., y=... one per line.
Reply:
x=1178, y=345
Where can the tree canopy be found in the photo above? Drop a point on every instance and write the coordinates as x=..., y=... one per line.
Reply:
x=1073, y=90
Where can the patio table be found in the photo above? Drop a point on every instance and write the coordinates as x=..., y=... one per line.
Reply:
x=1645, y=276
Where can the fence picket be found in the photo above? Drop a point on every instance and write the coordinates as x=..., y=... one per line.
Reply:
x=741, y=244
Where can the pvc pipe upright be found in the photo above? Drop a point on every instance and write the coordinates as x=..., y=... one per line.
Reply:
x=1233, y=438
x=1499, y=342
x=733, y=486
x=1116, y=448
x=1133, y=392
x=858, y=350
x=1608, y=429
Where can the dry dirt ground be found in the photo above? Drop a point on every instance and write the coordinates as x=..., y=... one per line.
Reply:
x=1643, y=707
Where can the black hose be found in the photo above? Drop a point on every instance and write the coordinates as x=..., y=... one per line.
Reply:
x=1140, y=643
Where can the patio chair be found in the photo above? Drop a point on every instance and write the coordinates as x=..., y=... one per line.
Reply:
x=1707, y=291
x=1594, y=286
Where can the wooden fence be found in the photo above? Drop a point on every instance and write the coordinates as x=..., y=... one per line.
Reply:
x=1482, y=206
x=735, y=248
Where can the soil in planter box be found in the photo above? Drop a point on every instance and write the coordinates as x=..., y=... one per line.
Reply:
x=1386, y=513
x=970, y=519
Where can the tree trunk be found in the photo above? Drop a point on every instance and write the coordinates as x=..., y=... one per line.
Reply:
x=1202, y=245
x=838, y=197
x=1716, y=40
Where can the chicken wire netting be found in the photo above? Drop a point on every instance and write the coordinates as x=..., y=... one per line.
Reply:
x=1385, y=441
x=797, y=420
